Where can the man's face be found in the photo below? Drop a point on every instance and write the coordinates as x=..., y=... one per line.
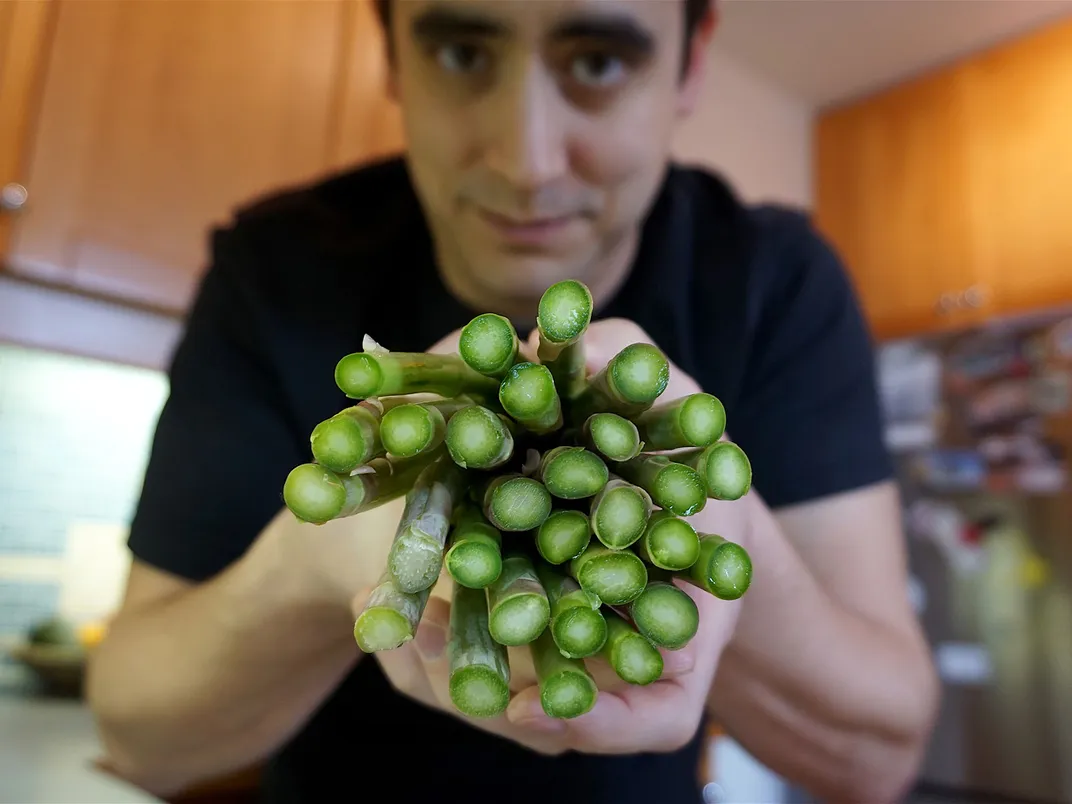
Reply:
x=538, y=132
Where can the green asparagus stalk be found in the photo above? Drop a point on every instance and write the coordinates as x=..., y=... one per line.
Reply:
x=409, y=430
x=616, y=577
x=564, y=314
x=665, y=614
x=474, y=555
x=416, y=556
x=513, y=502
x=528, y=394
x=620, y=513
x=633, y=657
x=563, y=536
x=518, y=605
x=673, y=486
x=348, y=439
x=566, y=688
x=612, y=436
x=628, y=385
x=697, y=420
x=572, y=473
x=489, y=345
x=390, y=616
x=724, y=568
x=479, y=438
x=577, y=625
x=669, y=542
x=317, y=495
x=724, y=466
x=378, y=372
x=479, y=666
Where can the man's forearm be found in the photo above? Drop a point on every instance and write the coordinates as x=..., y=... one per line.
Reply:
x=214, y=679
x=838, y=702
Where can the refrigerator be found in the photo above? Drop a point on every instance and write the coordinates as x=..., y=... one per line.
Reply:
x=980, y=423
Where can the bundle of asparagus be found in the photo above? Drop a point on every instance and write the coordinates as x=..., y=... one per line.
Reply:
x=556, y=501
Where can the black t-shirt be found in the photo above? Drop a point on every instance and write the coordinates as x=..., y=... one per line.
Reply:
x=747, y=300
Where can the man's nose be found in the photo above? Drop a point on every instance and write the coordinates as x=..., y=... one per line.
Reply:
x=527, y=142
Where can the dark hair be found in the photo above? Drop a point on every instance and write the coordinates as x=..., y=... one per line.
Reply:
x=694, y=13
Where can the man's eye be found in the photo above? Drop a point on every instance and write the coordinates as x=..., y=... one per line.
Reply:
x=598, y=69
x=461, y=58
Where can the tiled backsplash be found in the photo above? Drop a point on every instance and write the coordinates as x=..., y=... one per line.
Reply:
x=74, y=438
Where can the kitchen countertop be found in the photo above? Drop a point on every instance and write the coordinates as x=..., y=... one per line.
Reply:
x=47, y=747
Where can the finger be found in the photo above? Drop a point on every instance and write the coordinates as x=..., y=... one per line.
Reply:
x=448, y=344
x=407, y=666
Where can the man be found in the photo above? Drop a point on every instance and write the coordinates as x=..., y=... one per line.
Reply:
x=538, y=139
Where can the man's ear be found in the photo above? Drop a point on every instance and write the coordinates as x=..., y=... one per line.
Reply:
x=696, y=66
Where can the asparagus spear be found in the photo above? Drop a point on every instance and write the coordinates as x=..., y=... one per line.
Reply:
x=474, y=557
x=724, y=568
x=697, y=420
x=724, y=466
x=563, y=536
x=673, y=486
x=416, y=556
x=518, y=605
x=348, y=439
x=513, y=502
x=612, y=436
x=317, y=495
x=632, y=656
x=410, y=429
x=577, y=625
x=488, y=344
x=619, y=513
x=628, y=385
x=378, y=372
x=566, y=688
x=616, y=577
x=479, y=666
x=528, y=394
x=390, y=616
x=564, y=314
x=479, y=438
x=669, y=543
x=665, y=614
x=572, y=473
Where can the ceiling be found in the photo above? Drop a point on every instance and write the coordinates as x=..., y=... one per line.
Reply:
x=829, y=51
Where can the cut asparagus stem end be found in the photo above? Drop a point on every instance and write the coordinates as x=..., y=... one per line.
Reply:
x=565, y=311
x=566, y=688
x=474, y=564
x=666, y=615
x=358, y=375
x=346, y=440
x=724, y=569
x=563, y=536
x=478, y=438
x=517, y=503
x=390, y=617
x=479, y=666
x=488, y=344
x=579, y=631
x=409, y=430
x=362, y=375
x=573, y=473
x=702, y=420
x=520, y=619
x=528, y=394
x=639, y=373
x=728, y=471
x=613, y=436
x=634, y=658
x=670, y=543
x=679, y=489
x=317, y=495
x=616, y=577
x=619, y=514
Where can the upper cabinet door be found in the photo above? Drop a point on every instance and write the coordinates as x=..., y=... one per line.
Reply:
x=155, y=120
x=892, y=183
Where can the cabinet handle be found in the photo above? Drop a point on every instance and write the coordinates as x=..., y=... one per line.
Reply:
x=973, y=297
x=947, y=302
x=13, y=197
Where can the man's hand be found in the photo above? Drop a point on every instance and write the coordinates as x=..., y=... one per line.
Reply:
x=626, y=718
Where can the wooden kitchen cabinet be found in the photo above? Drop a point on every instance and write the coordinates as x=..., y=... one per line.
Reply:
x=154, y=120
x=947, y=195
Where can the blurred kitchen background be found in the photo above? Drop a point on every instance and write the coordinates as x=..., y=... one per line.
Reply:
x=931, y=140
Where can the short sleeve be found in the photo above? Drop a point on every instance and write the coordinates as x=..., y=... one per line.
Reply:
x=808, y=415
x=222, y=446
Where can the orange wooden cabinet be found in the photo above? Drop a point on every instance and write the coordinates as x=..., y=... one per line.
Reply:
x=141, y=124
x=948, y=195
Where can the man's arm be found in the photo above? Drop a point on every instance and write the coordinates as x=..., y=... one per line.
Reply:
x=828, y=679
x=198, y=681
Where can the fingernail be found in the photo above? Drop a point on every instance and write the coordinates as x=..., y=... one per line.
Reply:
x=677, y=662
x=430, y=641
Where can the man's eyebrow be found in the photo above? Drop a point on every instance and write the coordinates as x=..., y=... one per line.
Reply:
x=617, y=29
x=449, y=23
